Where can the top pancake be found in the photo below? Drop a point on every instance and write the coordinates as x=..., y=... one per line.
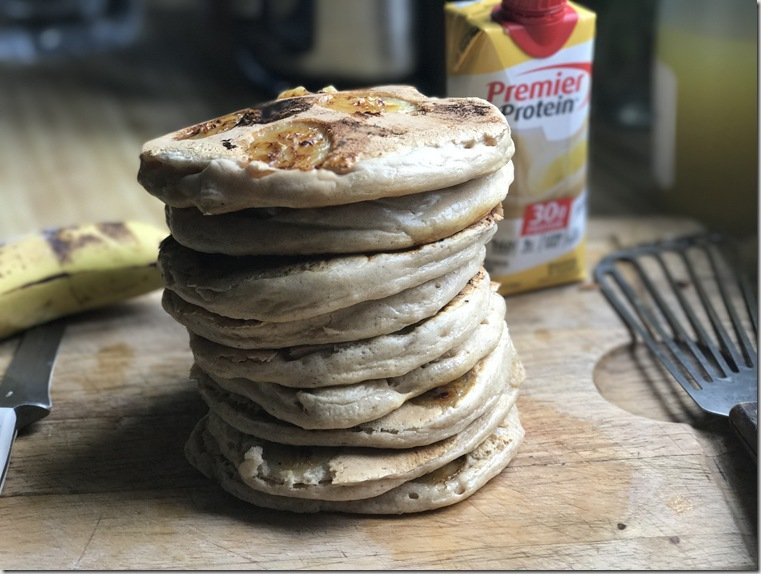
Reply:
x=327, y=148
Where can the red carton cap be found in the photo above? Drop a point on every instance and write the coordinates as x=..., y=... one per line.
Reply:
x=519, y=9
x=539, y=27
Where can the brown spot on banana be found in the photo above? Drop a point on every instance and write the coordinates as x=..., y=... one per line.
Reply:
x=116, y=230
x=64, y=242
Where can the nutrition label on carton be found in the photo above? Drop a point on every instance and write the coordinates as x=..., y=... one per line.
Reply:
x=536, y=67
x=548, y=230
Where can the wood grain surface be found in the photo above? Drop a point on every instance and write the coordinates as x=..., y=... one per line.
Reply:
x=102, y=482
x=618, y=470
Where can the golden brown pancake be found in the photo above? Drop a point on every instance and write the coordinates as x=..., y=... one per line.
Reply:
x=451, y=483
x=387, y=224
x=327, y=148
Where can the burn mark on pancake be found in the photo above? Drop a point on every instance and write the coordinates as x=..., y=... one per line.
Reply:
x=462, y=109
x=449, y=394
x=349, y=137
x=281, y=109
x=490, y=140
x=353, y=129
x=212, y=127
x=264, y=113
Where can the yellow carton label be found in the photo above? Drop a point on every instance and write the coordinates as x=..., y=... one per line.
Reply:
x=546, y=101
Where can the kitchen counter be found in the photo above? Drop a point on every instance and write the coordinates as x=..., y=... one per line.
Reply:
x=618, y=470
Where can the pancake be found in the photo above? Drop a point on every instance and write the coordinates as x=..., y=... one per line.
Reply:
x=326, y=259
x=328, y=148
x=388, y=224
x=381, y=357
x=428, y=418
x=451, y=483
x=360, y=321
x=344, y=473
x=351, y=405
x=280, y=290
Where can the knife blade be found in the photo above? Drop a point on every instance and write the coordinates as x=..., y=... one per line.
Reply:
x=25, y=386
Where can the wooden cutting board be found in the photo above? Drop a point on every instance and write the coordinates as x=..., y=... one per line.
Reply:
x=617, y=469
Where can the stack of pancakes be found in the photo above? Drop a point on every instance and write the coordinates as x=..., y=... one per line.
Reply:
x=326, y=258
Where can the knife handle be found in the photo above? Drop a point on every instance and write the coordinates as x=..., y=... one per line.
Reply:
x=7, y=436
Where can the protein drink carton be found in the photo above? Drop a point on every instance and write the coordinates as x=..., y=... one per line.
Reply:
x=533, y=60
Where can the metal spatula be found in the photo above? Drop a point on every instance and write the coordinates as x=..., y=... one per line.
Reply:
x=698, y=315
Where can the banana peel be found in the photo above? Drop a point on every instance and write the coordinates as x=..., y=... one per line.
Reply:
x=59, y=272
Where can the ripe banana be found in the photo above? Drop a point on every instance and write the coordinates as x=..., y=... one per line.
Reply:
x=57, y=272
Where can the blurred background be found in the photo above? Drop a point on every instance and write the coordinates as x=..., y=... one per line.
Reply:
x=83, y=83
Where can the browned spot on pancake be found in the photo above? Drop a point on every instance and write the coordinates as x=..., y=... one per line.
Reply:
x=449, y=394
x=349, y=138
x=340, y=162
x=64, y=243
x=462, y=110
x=281, y=109
x=213, y=126
x=264, y=113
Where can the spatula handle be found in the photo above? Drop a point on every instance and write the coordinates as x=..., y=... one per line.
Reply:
x=744, y=419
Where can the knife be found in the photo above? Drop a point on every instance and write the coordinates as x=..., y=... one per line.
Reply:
x=25, y=386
